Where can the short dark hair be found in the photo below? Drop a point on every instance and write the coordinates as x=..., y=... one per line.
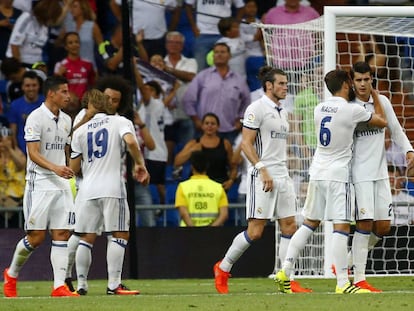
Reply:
x=334, y=80
x=31, y=75
x=52, y=83
x=10, y=65
x=156, y=86
x=222, y=44
x=360, y=67
x=267, y=74
x=225, y=23
x=199, y=161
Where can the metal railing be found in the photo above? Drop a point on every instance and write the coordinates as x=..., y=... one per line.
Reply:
x=164, y=208
x=160, y=207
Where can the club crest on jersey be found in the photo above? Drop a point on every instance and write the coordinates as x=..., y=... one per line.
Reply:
x=251, y=116
x=29, y=131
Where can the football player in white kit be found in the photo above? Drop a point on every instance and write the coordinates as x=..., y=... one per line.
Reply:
x=48, y=200
x=373, y=210
x=330, y=194
x=270, y=192
x=97, y=149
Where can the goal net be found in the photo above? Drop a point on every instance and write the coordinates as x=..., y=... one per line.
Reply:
x=337, y=40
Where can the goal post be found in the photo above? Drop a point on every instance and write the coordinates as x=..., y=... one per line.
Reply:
x=381, y=35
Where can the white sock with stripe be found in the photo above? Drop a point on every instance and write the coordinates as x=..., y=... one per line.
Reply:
x=296, y=245
x=339, y=257
x=73, y=243
x=83, y=263
x=240, y=244
x=21, y=254
x=59, y=260
x=115, y=260
x=360, y=254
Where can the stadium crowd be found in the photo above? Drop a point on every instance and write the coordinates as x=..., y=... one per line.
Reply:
x=195, y=72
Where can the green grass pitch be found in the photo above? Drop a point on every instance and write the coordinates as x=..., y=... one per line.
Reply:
x=199, y=294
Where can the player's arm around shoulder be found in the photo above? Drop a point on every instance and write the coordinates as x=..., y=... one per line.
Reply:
x=378, y=118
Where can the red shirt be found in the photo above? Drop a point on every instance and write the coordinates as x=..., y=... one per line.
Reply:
x=79, y=73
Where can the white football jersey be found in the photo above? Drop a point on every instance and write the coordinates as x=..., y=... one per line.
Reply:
x=271, y=123
x=154, y=119
x=369, y=157
x=208, y=10
x=335, y=121
x=53, y=133
x=100, y=144
x=149, y=15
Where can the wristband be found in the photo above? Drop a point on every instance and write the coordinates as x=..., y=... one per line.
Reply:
x=259, y=165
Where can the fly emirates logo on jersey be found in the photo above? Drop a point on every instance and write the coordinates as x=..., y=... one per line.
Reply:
x=363, y=130
x=281, y=134
x=58, y=144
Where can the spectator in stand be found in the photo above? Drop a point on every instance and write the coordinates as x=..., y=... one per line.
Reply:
x=81, y=19
x=178, y=21
x=292, y=12
x=208, y=14
x=8, y=17
x=23, y=106
x=229, y=28
x=402, y=213
x=168, y=97
x=78, y=71
x=146, y=218
x=14, y=71
x=239, y=159
x=148, y=16
x=30, y=33
x=253, y=40
x=290, y=51
x=395, y=154
x=219, y=151
x=196, y=209
x=12, y=182
x=152, y=111
x=218, y=90
x=110, y=59
x=184, y=69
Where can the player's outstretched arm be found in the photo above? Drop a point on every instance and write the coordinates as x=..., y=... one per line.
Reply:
x=140, y=171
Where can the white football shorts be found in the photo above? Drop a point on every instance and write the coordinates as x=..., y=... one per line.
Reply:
x=112, y=213
x=51, y=209
x=373, y=200
x=277, y=204
x=329, y=200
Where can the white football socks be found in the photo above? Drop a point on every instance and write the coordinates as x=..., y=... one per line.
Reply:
x=83, y=263
x=21, y=254
x=115, y=260
x=339, y=257
x=240, y=244
x=360, y=254
x=296, y=245
x=59, y=260
x=73, y=243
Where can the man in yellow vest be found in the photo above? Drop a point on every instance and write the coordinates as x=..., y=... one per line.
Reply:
x=200, y=200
